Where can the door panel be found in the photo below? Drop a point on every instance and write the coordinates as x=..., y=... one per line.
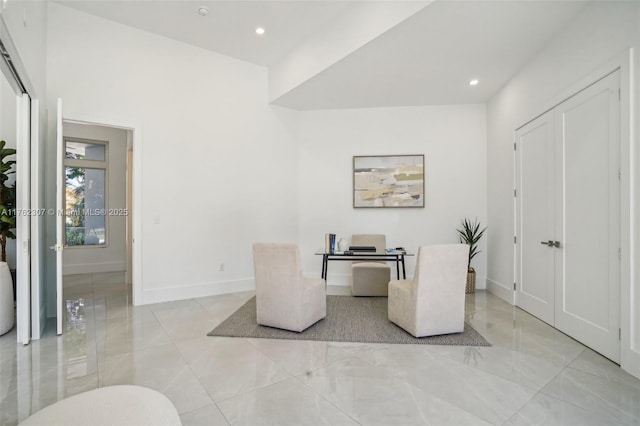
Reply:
x=38, y=316
x=534, y=217
x=23, y=221
x=587, y=276
x=59, y=216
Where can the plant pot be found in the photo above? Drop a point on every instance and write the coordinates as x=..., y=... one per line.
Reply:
x=13, y=278
x=7, y=307
x=471, y=281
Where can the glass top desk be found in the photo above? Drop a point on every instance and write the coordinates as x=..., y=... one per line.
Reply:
x=396, y=256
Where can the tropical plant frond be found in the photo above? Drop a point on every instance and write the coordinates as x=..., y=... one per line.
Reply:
x=471, y=234
x=7, y=152
x=8, y=219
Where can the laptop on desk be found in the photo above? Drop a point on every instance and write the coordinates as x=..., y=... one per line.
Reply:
x=362, y=248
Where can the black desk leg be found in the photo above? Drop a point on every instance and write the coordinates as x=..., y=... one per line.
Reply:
x=397, y=267
x=404, y=272
x=325, y=264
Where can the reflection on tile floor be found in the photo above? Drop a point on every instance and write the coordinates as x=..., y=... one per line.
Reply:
x=532, y=374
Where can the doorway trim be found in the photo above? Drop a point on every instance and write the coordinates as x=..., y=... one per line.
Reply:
x=136, y=131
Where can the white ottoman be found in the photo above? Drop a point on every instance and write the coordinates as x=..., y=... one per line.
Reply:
x=112, y=405
x=7, y=317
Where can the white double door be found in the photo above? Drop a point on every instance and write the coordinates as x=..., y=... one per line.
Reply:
x=568, y=217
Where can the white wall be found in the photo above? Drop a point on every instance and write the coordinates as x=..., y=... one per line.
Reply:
x=602, y=32
x=217, y=164
x=112, y=257
x=453, y=140
x=26, y=23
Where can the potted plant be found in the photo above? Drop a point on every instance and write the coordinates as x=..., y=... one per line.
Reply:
x=7, y=199
x=471, y=234
x=7, y=206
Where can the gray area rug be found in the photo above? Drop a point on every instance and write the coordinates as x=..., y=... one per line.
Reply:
x=349, y=319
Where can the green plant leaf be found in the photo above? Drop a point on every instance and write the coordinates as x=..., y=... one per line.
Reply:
x=471, y=234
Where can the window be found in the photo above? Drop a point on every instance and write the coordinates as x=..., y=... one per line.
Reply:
x=76, y=150
x=85, y=193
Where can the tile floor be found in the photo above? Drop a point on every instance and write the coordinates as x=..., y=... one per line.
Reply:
x=532, y=374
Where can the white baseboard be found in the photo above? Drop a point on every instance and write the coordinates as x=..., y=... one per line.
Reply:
x=192, y=291
x=503, y=292
x=338, y=280
x=481, y=283
x=89, y=268
x=631, y=362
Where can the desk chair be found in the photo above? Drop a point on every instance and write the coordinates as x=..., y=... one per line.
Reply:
x=370, y=278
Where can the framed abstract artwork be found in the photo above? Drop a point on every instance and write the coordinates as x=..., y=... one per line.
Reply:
x=381, y=181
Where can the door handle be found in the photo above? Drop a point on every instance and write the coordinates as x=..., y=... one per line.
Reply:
x=551, y=243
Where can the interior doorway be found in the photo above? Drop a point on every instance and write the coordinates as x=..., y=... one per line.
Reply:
x=22, y=199
x=568, y=216
x=97, y=226
x=9, y=112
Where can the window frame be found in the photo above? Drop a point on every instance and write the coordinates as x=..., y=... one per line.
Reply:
x=87, y=164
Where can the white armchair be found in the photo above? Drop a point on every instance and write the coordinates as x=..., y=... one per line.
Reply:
x=432, y=303
x=284, y=298
x=370, y=278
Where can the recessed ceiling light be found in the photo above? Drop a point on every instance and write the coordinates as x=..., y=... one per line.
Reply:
x=260, y=31
x=203, y=11
x=473, y=82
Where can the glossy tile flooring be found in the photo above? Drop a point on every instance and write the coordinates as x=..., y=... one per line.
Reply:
x=532, y=374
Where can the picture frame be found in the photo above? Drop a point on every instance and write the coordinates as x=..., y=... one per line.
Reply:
x=388, y=181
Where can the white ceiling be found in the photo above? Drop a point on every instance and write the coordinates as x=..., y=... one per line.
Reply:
x=427, y=59
x=229, y=27
x=430, y=58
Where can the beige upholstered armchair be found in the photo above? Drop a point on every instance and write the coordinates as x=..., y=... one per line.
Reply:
x=370, y=278
x=284, y=298
x=432, y=303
